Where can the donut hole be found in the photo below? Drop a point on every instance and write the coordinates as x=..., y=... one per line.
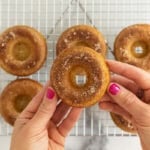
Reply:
x=78, y=76
x=21, y=51
x=79, y=43
x=139, y=49
x=80, y=79
x=21, y=101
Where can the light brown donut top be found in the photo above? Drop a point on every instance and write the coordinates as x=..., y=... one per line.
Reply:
x=132, y=46
x=82, y=35
x=23, y=50
x=15, y=97
x=79, y=61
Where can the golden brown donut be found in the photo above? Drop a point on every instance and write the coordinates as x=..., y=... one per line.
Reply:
x=83, y=35
x=15, y=97
x=80, y=76
x=23, y=50
x=132, y=46
x=123, y=123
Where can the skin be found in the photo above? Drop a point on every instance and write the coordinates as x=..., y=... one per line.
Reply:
x=42, y=126
x=127, y=101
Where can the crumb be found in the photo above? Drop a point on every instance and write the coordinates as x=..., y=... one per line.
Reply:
x=87, y=37
x=97, y=46
x=3, y=44
x=92, y=90
x=74, y=33
x=88, y=33
x=12, y=34
x=65, y=40
x=82, y=33
x=81, y=55
x=34, y=63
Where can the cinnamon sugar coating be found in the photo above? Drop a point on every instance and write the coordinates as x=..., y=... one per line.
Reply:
x=15, y=97
x=83, y=35
x=132, y=46
x=23, y=50
x=123, y=123
x=75, y=61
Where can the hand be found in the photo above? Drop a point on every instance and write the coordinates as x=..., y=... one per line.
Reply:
x=42, y=126
x=126, y=94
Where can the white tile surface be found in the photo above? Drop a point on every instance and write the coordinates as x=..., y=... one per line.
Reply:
x=91, y=143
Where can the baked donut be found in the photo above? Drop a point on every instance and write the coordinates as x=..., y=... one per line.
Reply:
x=15, y=97
x=132, y=46
x=23, y=50
x=79, y=76
x=83, y=35
x=122, y=123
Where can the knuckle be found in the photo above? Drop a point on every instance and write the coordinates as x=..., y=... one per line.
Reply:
x=44, y=108
x=129, y=99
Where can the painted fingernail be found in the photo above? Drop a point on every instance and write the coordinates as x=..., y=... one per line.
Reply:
x=114, y=89
x=50, y=93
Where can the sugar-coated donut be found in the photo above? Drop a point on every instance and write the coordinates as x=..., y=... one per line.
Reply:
x=23, y=50
x=80, y=76
x=132, y=46
x=83, y=35
x=122, y=123
x=15, y=97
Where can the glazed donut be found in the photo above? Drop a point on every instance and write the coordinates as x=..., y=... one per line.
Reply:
x=79, y=76
x=15, y=97
x=83, y=35
x=132, y=46
x=23, y=50
x=123, y=123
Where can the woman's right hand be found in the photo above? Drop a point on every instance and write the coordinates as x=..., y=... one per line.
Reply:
x=127, y=85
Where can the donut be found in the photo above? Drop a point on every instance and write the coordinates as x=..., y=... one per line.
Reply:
x=83, y=35
x=122, y=123
x=79, y=76
x=23, y=50
x=132, y=46
x=15, y=97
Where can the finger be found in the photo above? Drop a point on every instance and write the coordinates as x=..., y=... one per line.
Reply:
x=127, y=83
x=146, y=98
x=126, y=99
x=68, y=123
x=105, y=98
x=33, y=106
x=139, y=76
x=60, y=112
x=115, y=108
x=46, y=109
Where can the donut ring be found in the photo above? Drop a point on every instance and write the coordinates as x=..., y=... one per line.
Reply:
x=16, y=96
x=122, y=123
x=83, y=35
x=23, y=50
x=75, y=64
x=132, y=46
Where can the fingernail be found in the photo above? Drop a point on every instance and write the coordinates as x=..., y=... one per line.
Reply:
x=50, y=93
x=114, y=89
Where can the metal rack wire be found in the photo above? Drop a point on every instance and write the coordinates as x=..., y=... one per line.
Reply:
x=51, y=17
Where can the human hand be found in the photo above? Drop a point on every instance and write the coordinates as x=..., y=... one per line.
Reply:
x=42, y=126
x=126, y=86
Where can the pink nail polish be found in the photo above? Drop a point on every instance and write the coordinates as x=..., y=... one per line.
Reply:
x=114, y=89
x=50, y=93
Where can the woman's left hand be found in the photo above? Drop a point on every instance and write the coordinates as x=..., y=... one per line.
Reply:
x=42, y=126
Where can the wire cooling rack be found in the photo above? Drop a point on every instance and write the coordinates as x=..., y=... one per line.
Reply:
x=51, y=17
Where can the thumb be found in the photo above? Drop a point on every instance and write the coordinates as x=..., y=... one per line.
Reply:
x=126, y=100
x=46, y=109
